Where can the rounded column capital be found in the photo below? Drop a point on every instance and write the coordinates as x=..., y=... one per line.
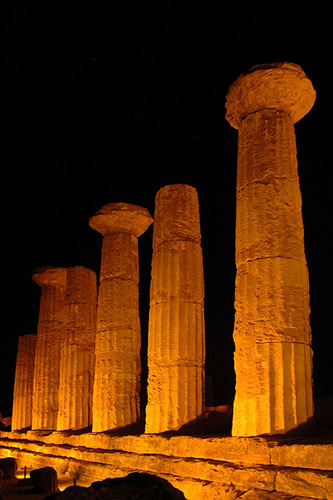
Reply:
x=282, y=86
x=50, y=276
x=121, y=218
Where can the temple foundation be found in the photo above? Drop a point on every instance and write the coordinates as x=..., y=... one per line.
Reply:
x=23, y=385
x=176, y=346
x=205, y=467
x=116, y=393
x=77, y=350
x=273, y=357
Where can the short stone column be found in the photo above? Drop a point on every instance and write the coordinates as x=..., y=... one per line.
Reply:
x=116, y=394
x=23, y=384
x=176, y=345
x=50, y=330
x=77, y=350
x=273, y=357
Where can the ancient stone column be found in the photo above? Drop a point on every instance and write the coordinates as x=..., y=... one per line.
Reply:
x=273, y=357
x=77, y=350
x=176, y=346
x=23, y=384
x=116, y=393
x=50, y=330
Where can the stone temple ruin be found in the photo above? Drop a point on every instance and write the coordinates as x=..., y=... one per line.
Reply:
x=82, y=371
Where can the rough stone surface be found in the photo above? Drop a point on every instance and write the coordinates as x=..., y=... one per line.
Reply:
x=23, y=385
x=118, y=337
x=273, y=357
x=77, y=350
x=49, y=337
x=283, y=86
x=176, y=348
x=201, y=467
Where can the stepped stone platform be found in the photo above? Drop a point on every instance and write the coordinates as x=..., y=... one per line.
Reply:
x=213, y=467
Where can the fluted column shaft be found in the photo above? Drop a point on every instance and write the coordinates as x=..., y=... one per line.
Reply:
x=47, y=360
x=77, y=350
x=176, y=347
x=273, y=357
x=116, y=393
x=23, y=385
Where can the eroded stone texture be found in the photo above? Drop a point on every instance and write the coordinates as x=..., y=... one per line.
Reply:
x=116, y=390
x=77, y=350
x=273, y=357
x=23, y=385
x=176, y=347
x=47, y=361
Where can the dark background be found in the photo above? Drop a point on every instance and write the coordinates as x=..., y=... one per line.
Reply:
x=106, y=104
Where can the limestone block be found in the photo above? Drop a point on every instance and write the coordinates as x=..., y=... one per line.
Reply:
x=117, y=378
x=23, y=385
x=178, y=334
x=274, y=387
x=119, y=257
x=178, y=273
x=117, y=305
x=176, y=215
x=266, y=148
x=272, y=301
x=316, y=454
x=269, y=206
x=306, y=483
x=78, y=350
x=176, y=347
x=265, y=226
x=49, y=337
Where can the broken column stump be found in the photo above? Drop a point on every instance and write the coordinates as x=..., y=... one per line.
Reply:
x=176, y=346
x=273, y=357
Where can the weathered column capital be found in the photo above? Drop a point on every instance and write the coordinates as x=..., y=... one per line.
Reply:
x=282, y=86
x=121, y=218
x=50, y=276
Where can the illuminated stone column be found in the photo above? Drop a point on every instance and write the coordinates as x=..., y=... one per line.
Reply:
x=176, y=346
x=273, y=357
x=116, y=394
x=50, y=330
x=23, y=385
x=77, y=350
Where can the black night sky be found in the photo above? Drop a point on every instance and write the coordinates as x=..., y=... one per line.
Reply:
x=106, y=104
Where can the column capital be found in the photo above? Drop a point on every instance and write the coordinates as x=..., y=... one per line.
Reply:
x=282, y=86
x=121, y=218
x=50, y=276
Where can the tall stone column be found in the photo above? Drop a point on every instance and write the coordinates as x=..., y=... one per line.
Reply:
x=273, y=357
x=23, y=384
x=77, y=350
x=176, y=346
x=50, y=330
x=116, y=394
